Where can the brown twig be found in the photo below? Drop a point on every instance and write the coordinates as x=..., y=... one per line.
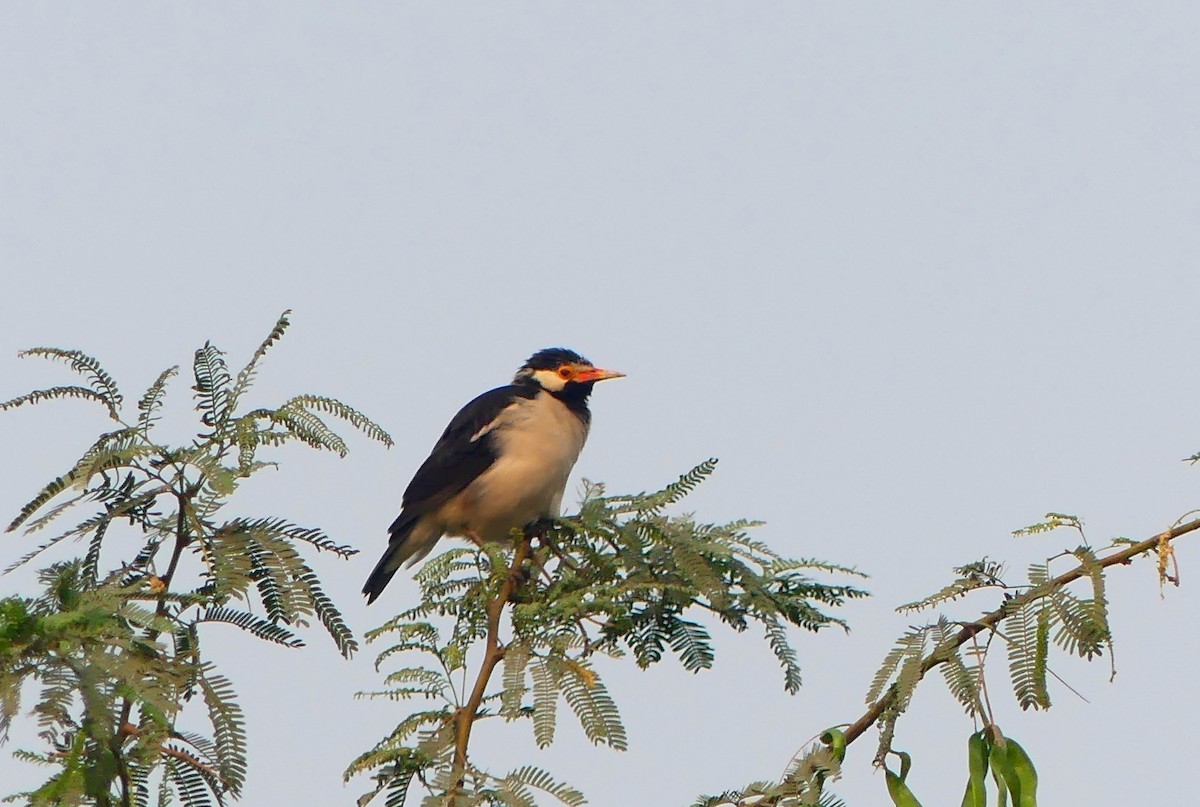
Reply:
x=993, y=618
x=163, y=586
x=130, y=730
x=466, y=714
x=989, y=622
x=558, y=553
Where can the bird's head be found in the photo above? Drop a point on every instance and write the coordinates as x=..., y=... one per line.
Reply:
x=558, y=370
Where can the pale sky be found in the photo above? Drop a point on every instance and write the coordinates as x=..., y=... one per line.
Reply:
x=917, y=273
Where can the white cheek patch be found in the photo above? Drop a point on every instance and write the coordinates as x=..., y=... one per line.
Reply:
x=550, y=379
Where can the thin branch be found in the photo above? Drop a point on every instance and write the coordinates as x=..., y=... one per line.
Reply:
x=1074, y=691
x=992, y=619
x=130, y=730
x=181, y=541
x=989, y=622
x=981, y=656
x=468, y=713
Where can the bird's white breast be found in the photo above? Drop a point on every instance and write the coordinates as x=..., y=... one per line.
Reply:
x=538, y=441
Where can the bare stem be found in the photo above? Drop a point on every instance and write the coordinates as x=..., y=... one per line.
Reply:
x=466, y=715
x=181, y=541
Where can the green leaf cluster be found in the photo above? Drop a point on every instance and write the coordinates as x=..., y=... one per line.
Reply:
x=86, y=646
x=116, y=639
x=1043, y=612
x=621, y=578
x=1013, y=772
x=803, y=783
x=1036, y=615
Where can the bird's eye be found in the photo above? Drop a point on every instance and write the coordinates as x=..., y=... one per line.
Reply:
x=564, y=373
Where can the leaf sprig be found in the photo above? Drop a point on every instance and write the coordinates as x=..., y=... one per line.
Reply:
x=620, y=578
x=118, y=673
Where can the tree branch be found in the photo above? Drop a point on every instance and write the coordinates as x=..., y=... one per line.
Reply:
x=993, y=618
x=466, y=714
x=181, y=541
x=130, y=730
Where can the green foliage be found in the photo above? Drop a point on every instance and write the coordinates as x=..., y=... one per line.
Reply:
x=620, y=578
x=803, y=783
x=111, y=649
x=1040, y=610
x=977, y=766
x=527, y=776
x=90, y=647
x=963, y=678
x=1035, y=615
x=229, y=732
x=115, y=641
x=1052, y=522
x=101, y=386
x=897, y=785
x=903, y=663
x=972, y=576
x=1012, y=770
x=1026, y=629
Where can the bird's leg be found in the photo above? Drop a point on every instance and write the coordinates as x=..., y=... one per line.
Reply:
x=534, y=529
x=541, y=528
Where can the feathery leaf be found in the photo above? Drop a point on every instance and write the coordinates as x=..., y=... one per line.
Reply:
x=98, y=378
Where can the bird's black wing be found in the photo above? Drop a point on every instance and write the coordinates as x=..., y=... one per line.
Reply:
x=462, y=453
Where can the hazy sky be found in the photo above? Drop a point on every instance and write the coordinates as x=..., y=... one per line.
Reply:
x=917, y=273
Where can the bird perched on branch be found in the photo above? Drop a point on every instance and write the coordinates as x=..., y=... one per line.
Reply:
x=502, y=463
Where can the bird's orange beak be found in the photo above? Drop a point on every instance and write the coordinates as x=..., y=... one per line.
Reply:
x=597, y=374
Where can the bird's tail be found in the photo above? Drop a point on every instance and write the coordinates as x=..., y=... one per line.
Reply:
x=411, y=539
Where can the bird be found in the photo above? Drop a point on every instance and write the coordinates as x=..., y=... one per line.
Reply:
x=501, y=464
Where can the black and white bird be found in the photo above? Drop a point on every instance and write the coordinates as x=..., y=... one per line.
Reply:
x=501, y=464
